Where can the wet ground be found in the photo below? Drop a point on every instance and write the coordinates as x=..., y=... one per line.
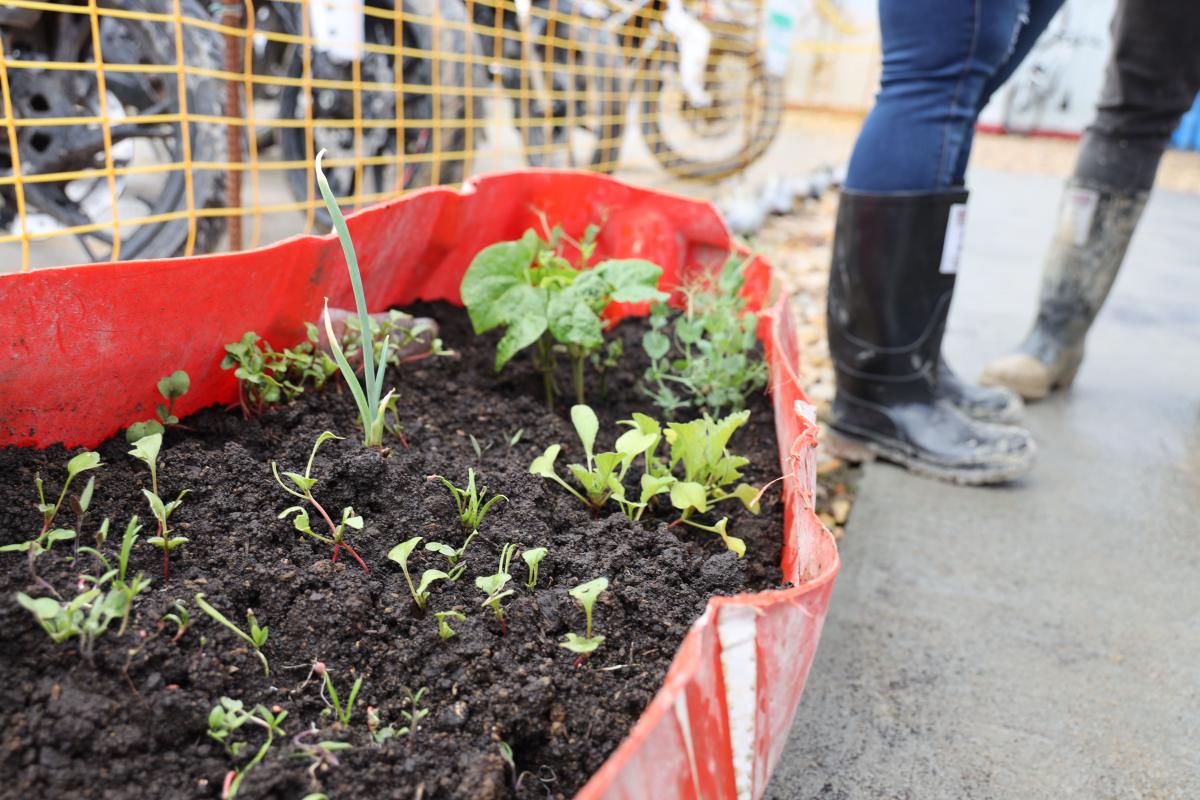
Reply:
x=1041, y=640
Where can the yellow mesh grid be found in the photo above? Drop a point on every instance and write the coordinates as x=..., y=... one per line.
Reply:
x=147, y=128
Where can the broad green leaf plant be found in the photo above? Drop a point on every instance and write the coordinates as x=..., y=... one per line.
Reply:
x=540, y=299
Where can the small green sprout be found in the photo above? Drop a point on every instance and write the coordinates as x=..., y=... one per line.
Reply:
x=367, y=394
x=601, y=478
x=453, y=555
x=87, y=615
x=182, y=619
x=515, y=439
x=414, y=717
x=471, y=505
x=87, y=460
x=126, y=589
x=225, y=719
x=493, y=586
x=305, y=483
x=477, y=448
x=378, y=734
x=444, y=629
x=321, y=754
x=532, y=559
x=585, y=594
x=333, y=701
x=420, y=593
x=171, y=387
x=146, y=450
x=256, y=638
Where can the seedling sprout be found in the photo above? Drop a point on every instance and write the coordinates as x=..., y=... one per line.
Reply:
x=585, y=594
x=256, y=638
x=532, y=559
x=470, y=502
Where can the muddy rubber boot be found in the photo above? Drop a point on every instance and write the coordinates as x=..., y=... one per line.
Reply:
x=889, y=293
x=1094, y=229
x=986, y=403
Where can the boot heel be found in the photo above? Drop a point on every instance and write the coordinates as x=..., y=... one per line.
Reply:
x=1068, y=377
x=852, y=451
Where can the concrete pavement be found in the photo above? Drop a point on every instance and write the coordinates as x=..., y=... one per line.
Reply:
x=1040, y=640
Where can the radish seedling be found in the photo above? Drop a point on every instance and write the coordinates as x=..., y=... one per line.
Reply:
x=256, y=638
x=182, y=619
x=444, y=629
x=539, y=297
x=601, y=477
x=47, y=536
x=472, y=507
x=224, y=721
x=304, y=483
x=267, y=377
x=146, y=450
x=493, y=586
x=378, y=734
x=367, y=394
x=171, y=387
x=585, y=594
x=532, y=559
x=420, y=593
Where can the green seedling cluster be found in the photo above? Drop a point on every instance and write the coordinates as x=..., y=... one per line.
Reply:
x=301, y=488
x=698, y=447
x=225, y=721
x=171, y=387
x=146, y=450
x=470, y=502
x=542, y=300
x=414, y=716
x=267, y=377
x=703, y=357
x=420, y=593
x=585, y=594
x=256, y=637
x=181, y=618
x=399, y=328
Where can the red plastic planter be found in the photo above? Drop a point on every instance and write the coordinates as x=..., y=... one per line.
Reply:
x=719, y=723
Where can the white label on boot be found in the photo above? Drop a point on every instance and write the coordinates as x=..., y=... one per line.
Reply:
x=1081, y=207
x=952, y=249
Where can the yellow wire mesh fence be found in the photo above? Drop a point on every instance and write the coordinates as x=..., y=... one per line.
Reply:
x=154, y=128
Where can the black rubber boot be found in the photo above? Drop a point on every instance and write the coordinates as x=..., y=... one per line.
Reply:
x=986, y=403
x=1094, y=229
x=889, y=293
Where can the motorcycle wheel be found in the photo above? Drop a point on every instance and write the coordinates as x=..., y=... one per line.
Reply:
x=88, y=201
x=434, y=122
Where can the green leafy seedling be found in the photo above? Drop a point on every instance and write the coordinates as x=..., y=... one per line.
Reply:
x=379, y=733
x=585, y=594
x=470, y=502
x=181, y=618
x=420, y=593
x=171, y=387
x=532, y=559
x=301, y=487
x=256, y=638
x=443, y=617
x=367, y=395
x=494, y=586
x=602, y=475
x=454, y=556
x=225, y=719
x=146, y=450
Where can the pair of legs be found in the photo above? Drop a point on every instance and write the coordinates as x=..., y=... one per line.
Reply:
x=1152, y=78
x=896, y=246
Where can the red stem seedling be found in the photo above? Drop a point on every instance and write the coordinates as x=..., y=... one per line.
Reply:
x=303, y=489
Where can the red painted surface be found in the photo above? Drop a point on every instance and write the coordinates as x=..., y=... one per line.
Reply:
x=86, y=345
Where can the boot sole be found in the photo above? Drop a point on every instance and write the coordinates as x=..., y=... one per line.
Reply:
x=1029, y=387
x=858, y=450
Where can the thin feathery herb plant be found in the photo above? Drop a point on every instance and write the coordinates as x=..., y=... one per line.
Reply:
x=367, y=395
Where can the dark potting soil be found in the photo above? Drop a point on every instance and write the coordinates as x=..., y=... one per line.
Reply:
x=133, y=723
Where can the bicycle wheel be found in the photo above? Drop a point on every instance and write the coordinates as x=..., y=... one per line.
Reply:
x=433, y=120
x=87, y=202
x=713, y=139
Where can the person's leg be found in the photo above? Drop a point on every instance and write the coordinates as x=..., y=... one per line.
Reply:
x=895, y=251
x=1151, y=80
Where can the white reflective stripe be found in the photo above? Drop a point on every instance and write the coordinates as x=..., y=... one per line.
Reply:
x=685, y=725
x=737, y=627
x=956, y=225
x=1081, y=207
x=807, y=410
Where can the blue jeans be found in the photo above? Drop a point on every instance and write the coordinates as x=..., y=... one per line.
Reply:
x=942, y=60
